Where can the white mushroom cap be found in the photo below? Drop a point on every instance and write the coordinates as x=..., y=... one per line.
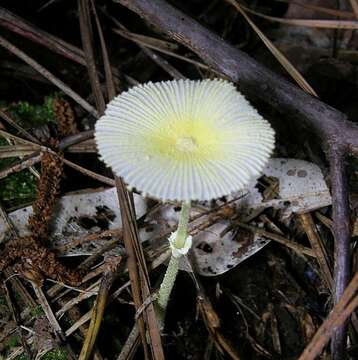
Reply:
x=183, y=139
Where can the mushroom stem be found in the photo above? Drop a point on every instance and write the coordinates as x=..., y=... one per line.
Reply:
x=180, y=244
x=166, y=288
x=182, y=231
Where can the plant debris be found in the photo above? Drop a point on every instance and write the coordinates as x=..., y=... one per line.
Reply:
x=272, y=271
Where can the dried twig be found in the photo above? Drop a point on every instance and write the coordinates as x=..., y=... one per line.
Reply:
x=22, y=27
x=315, y=23
x=13, y=123
x=44, y=72
x=318, y=247
x=51, y=318
x=340, y=313
x=212, y=321
x=129, y=348
x=300, y=249
x=87, y=42
x=22, y=164
x=75, y=139
x=354, y=5
x=111, y=91
x=138, y=273
x=342, y=234
x=17, y=320
x=275, y=51
x=98, y=310
x=104, y=179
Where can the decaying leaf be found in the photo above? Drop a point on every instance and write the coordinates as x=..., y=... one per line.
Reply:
x=77, y=215
x=302, y=187
x=215, y=253
x=216, y=249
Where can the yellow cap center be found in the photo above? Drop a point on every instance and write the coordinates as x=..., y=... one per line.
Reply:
x=186, y=144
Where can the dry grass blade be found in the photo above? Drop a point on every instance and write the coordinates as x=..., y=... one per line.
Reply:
x=83, y=320
x=87, y=43
x=75, y=139
x=86, y=146
x=52, y=319
x=139, y=39
x=164, y=64
x=86, y=317
x=20, y=289
x=128, y=35
x=22, y=27
x=276, y=52
x=7, y=135
x=143, y=39
x=9, y=224
x=138, y=273
x=10, y=151
x=49, y=76
x=129, y=348
x=17, y=319
x=212, y=321
x=90, y=291
x=340, y=313
x=300, y=249
x=98, y=311
x=324, y=220
x=22, y=164
x=20, y=151
x=212, y=324
x=315, y=23
x=111, y=91
x=104, y=179
x=318, y=247
x=13, y=123
x=354, y=5
x=321, y=9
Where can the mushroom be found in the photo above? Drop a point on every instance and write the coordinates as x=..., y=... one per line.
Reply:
x=183, y=140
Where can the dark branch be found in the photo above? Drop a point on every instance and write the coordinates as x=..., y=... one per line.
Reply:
x=253, y=78
x=342, y=234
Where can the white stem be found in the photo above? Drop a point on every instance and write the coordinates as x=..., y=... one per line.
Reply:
x=180, y=244
x=168, y=282
x=182, y=231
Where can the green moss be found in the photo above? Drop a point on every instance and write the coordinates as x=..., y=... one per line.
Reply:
x=22, y=357
x=37, y=311
x=28, y=115
x=57, y=354
x=18, y=187
x=13, y=341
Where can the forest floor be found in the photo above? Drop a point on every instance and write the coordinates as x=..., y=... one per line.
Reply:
x=263, y=279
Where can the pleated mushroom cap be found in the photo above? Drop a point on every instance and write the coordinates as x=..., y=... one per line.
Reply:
x=183, y=139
